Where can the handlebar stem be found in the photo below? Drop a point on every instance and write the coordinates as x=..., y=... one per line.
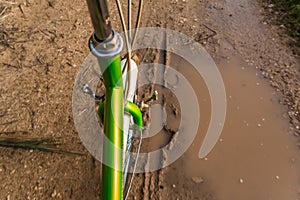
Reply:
x=100, y=18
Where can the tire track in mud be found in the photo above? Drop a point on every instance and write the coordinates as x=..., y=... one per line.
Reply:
x=154, y=186
x=152, y=180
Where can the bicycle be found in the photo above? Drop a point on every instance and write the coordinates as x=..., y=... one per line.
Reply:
x=119, y=112
x=117, y=115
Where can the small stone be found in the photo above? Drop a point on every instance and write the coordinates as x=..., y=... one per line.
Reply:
x=241, y=180
x=258, y=125
x=174, y=186
x=271, y=5
x=277, y=177
x=53, y=194
x=293, y=160
x=197, y=179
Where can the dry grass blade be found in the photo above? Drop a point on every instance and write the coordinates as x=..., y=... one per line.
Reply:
x=42, y=144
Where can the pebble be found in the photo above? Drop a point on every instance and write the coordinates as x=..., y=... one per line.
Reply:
x=53, y=194
x=197, y=179
x=258, y=125
x=293, y=160
x=241, y=180
x=277, y=177
x=173, y=185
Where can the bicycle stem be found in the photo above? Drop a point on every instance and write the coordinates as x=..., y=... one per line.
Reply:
x=100, y=18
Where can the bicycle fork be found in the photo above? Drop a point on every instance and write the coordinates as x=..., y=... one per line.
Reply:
x=106, y=45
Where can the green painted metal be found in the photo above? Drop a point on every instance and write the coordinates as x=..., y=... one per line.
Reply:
x=135, y=112
x=111, y=113
x=130, y=108
x=112, y=176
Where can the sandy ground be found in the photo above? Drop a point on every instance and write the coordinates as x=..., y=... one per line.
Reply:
x=42, y=45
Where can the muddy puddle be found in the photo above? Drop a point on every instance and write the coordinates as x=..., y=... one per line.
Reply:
x=256, y=156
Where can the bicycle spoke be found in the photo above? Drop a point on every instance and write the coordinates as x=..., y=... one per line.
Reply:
x=129, y=20
x=123, y=24
x=126, y=41
x=134, y=165
x=139, y=16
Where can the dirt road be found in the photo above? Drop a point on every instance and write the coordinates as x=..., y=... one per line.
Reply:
x=42, y=45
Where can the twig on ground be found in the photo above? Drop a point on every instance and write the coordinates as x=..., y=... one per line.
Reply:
x=214, y=33
x=10, y=122
x=4, y=9
x=8, y=2
x=14, y=132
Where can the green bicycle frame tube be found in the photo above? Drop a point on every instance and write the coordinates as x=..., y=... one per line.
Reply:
x=130, y=108
x=112, y=176
x=135, y=112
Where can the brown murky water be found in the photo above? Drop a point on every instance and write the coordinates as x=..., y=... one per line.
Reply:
x=256, y=156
